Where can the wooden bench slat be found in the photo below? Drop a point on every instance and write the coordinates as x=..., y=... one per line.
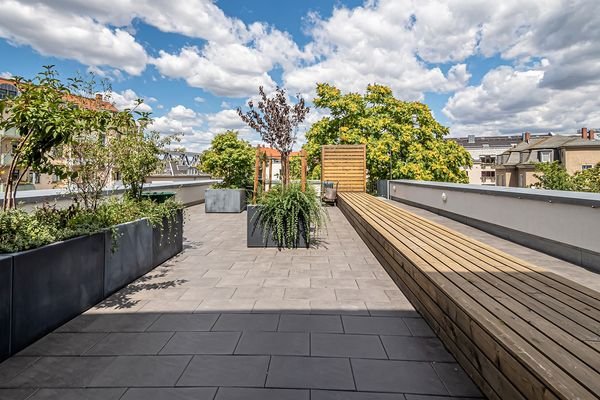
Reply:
x=447, y=279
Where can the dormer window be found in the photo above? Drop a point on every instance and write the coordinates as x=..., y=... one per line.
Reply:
x=545, y=156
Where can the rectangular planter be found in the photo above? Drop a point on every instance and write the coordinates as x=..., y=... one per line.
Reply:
x=5, y=304
x=53, y=284
x=167, y=240
x=128, y=254
x=255, y=232
x=224, y=200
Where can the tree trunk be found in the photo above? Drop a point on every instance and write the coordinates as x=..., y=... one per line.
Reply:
x=285, y=170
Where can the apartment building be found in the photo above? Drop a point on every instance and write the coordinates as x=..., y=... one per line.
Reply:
x=10, y=139
x=516, y=166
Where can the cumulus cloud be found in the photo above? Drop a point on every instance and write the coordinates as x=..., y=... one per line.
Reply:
x=127, y=99
x=6, y=75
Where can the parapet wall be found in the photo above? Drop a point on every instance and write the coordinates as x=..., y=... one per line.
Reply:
x=562, y=224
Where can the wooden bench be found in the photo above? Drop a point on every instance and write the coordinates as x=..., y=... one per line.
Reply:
x=519, y=331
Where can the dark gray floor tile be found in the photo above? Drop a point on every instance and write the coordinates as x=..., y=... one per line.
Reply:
x=142, y=371
x=426, y=397
x=78, y=394
x=310, y=372
x=63, y=344
x=418, y=327
x=336, y=395
x=456, y=380
x=134, y=322
x=14, y=366
x=226, y=371
x=274, y=343
x=246, y=322
x=15, y=394
x=396, y=376
x=170, y=394
x=261, y=394
x=130, y=343
x=62, y=372
x=375, y=325
x=346, y=345
x=183, y=322
x=415, y=348
x=311, y=323
x=202, y=343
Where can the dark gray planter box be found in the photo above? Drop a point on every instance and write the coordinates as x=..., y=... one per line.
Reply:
x=167, y=240
x=128, y=254
x=53, y=284
x=5, y=304
x=256, y=233
x=224, y=200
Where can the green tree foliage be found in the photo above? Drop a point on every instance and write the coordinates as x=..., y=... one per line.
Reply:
x=553, y=176
x=231, y=159
x=411, y=149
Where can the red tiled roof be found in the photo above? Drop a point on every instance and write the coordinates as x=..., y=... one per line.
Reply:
x=273, y=153
x=95, y=103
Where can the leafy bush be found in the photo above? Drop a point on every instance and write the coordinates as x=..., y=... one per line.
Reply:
x=554, y=176
x=21, y=230
x=231, y=159
x=287, y=213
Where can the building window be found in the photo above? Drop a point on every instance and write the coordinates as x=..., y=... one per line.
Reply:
x=7, y=90
x=545, y=156
x=586, y=166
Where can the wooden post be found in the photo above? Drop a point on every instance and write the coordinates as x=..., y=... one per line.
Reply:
x=270, y=172
x=303, y=169
x=264, y=173
x=256, y=172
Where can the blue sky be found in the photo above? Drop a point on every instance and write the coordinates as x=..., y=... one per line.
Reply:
x=483, y=68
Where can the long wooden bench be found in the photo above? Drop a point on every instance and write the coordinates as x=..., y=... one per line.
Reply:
x=519, y=331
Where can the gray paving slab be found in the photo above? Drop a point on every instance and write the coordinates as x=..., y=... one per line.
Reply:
x=456, y=380
x=419, y=327
x=247, y=322
x=274, y=343
x=339, y=395
x=169, y=394
x=78, y=394
x=415, y=348
x=130, y=343
x=202, y=343
x=261, y=394
x=248, y=371
x=397, y=376
x=375, y=325
x=183, y=322
x=346, y=345
x=148, y=371
x=16, y=394
x=63, y=344
x=311, y=323
x=310, y=372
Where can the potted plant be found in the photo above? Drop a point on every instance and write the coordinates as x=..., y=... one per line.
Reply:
x=286, y=215
x=230, y=159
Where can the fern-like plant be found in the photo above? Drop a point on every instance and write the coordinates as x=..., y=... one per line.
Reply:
x=289, y=214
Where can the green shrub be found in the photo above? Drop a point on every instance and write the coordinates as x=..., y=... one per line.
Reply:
x=287, y=213
x=21, y=230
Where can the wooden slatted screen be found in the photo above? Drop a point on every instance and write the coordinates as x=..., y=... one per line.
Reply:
x=346, y=165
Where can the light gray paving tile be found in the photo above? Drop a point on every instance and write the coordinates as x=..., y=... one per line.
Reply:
x=352, y=274
x=396, y=376
x=249, y=371
x=309, y=294
x=110, y=323
x=337, y=395
x=375, y=325
x=348, y=307
x=415, y=348
x=180, y=306
x=184, y=322
x=63, y=344
x=455, y=379
x=287, y=282
x=202, y=343
x=78, y=394
x=258, y=293
x=274, y=343
x=392, y=308
x=310, y=372
x=170, y=394
x=297, y=306
x=63, y=372
x=346, y=345
x=144, y=371
x=386, y=284
x=261, y=394
x=361, y=295
x=310, y=323
x=130, y=343
x=207, y=293
x=240, y=282
x=419, y=327
x=246, y=322
x=333, y=283
x=252, y=265
x=228, y=305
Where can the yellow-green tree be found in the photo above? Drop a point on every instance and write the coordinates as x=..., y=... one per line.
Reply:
x=402, y=138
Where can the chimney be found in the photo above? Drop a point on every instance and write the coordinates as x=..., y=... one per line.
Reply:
x=584, y=133
x=526, y=137
x=99, y=97
x=591, y=134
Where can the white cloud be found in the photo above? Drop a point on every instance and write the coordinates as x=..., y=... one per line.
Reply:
x=6, y=75
x=199, y=99
x=128, y=99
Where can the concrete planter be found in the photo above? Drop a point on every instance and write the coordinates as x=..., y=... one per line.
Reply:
x=167, y=240
x=53, y=284
x=225, y=200
x=128, y=254
x=43, y=288
x=256, y=233
x=5, y=304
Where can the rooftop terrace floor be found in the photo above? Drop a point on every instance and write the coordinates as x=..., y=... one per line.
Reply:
x=221, y=321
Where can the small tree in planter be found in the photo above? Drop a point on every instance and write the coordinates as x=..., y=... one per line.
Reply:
x=230, y=159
